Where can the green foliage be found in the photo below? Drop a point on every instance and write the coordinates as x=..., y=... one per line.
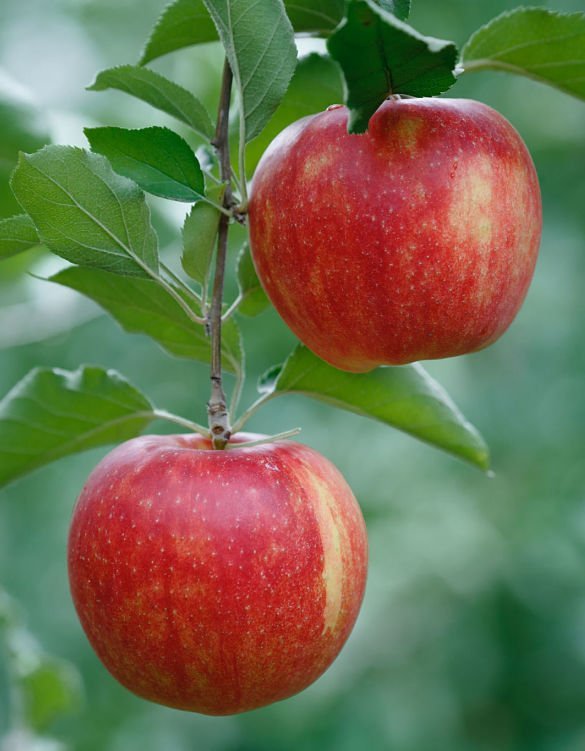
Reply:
x=185, y=23
x=261, y=51
x=52, y=413
x=404, y=397
x=156, y=159
x=380, y=56
x=17, y=234
x=253, y=298
x=182, y=24
x=315, y=85
x=259, y=46
x=199, y=236
x=534, y=42
x=142, y=306
x=85, y=212
x=158, y=91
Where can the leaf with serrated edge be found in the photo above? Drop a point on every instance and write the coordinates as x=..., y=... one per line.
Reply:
x=181, y=24
x=315, y=85
x=404, y=397
x=142, y=306
x=17, y=234
x=186, y=23
x=254, y=299
x=156, y=159
x=259, y=44
x=159, y=92
x=54, y=413
x=534, y=42
x=85, y=212
x=199, y=235
x=380, y=55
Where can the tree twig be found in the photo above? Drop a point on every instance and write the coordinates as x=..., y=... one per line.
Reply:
x=218, y=414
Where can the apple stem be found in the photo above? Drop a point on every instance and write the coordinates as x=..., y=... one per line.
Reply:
x=217, y=411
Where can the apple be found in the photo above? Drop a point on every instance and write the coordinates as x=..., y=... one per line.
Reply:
x=216, y=581
x=416, y=240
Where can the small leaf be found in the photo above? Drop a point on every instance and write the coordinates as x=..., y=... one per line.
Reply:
x=17, y=234
x=404, y=397
x=158, y=91
x=534, y=42
x=254, y=299
x=141, y=306
x=156, y=159
x=315, y=16
x=315, y=85
x=199, y=235
x=182, y=24
x=54, y=413
x=260, y=47
x=85, y=212
x=380, y=55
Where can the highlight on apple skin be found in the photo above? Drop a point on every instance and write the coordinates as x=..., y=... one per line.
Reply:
x=216, y=581
x=416, y=240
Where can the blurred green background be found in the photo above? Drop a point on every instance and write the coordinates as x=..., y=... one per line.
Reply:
x=472, y=633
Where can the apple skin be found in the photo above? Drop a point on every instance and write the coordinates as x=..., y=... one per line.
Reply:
x=216, y=581
x=416, y=240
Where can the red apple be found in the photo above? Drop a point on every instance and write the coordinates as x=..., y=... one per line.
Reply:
x=216, y=581
x=416, y=240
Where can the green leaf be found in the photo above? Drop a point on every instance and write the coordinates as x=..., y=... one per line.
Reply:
x=315, y=85
x=142, y=306
x=17, y=234
x=156, y=159
x=400, y=8
x=259, y=43
x=380, y=55
x=404, y=397
x=315, y=16
x=85, y=212
x=533, y=42
x=254, y=299
x=199, y=235
x=185, y=23
x=182, y=24
x=158, y=91
x=23, y=128
x=54, y=413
